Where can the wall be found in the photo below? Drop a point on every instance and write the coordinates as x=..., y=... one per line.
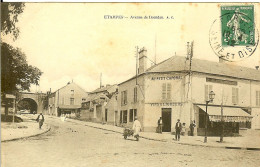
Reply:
x=154, y=102
x=139, y=105
x=111, y=108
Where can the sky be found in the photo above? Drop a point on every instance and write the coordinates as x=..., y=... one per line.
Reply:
x=74, y=41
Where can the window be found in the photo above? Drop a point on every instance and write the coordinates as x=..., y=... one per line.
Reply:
x=83, y=99
x=235, y=95
x=257, y=98
x=135, y=94
x=121, y=113
x=71, y=101
x=72, y=92
x=166, y=91
x=124, y=98
x=106, y=114
x=208, y=88
x=125, y=116
x=132, y=114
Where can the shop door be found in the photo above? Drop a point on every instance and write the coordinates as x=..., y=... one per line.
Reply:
x=166, y=119
x=99, y=112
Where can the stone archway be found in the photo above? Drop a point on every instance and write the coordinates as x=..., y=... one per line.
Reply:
x=28, y=104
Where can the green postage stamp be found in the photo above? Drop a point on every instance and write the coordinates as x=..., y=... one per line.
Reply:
x=237, y=25
x=233, y=36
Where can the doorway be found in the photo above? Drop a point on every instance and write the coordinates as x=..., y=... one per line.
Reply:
x=166, y=119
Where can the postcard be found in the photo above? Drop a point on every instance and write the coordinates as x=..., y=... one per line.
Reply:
x=130, y=84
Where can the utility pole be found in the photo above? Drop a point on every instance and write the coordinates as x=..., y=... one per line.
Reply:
x=136, y=65
x=222, y=120
x=189, y=57
x=100, y=80
x=14, y=105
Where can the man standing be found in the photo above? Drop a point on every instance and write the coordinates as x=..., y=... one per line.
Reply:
x=178, y=128
x=192, y=126
x=160, y=125
x=40, y=119
x=136, y=128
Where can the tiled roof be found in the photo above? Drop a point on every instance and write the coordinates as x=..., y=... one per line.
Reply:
x=178, y=63
x=102, y=89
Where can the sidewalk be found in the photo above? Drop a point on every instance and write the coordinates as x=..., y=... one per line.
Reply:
x=249, y=139
x=27, y=128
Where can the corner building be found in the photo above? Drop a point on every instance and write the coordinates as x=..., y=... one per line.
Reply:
x=175, y=90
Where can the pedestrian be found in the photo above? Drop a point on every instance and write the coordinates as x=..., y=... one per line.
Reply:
x=137, y=128
x=192, y=126
x=178, y=128
x=40, y=119
x=183, y=129
x=160, y=124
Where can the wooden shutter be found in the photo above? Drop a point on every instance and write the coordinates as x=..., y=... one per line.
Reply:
x=257, y=98
x=164, y=91
x=169, y=90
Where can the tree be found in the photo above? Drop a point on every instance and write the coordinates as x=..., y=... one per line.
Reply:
x=16, y=74
x=9, y=16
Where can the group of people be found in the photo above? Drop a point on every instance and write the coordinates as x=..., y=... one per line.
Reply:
x=137, y=126
x=179, y=128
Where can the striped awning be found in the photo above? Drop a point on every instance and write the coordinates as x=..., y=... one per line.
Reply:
x=230, y=114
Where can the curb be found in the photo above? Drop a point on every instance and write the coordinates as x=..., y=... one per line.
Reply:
x=25, y=137
x=225, y=147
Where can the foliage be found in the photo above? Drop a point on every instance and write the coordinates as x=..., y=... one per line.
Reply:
x=16, y=74
x=9, y=17
x=23, y=104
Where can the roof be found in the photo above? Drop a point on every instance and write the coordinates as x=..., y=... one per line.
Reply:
x=179, y=63
x=92, y=97
x=69, y=84
x=103, y=89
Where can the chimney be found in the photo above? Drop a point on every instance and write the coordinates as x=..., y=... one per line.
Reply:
x=256, y=67
x=142, y=60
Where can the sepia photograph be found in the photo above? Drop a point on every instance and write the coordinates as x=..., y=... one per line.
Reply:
x=130, y=84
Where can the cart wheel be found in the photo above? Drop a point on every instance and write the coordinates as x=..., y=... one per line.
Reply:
x=137, y=137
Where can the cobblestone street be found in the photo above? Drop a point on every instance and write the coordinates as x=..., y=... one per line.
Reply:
x=71, y=144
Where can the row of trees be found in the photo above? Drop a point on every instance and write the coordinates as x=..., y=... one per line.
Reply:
x=16, y=74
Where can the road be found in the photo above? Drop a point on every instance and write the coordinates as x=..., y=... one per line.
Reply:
x=71, y=144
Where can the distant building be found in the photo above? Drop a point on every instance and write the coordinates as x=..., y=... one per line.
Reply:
x=174, y=90
x=101, y=105
x=66, y=100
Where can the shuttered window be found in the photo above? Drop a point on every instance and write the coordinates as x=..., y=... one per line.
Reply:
x=257, y=98
x=166, y=91
x=208, y=88
x=124, y=98
x=235, y=95
x=135, y=94
x=169, y=90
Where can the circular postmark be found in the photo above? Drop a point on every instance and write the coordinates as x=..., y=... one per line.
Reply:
x=233, y=36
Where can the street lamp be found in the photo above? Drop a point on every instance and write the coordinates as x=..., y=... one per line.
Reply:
x=211, y=97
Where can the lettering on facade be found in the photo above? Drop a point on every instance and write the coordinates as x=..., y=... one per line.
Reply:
x=221, y=81
x=167, y=104
x=166, y=78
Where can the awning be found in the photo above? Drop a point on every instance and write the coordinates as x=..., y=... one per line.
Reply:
x=69, y=106
x=230, y=114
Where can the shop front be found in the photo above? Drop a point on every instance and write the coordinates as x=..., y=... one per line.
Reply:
x=69, y=110
x=232, y=119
